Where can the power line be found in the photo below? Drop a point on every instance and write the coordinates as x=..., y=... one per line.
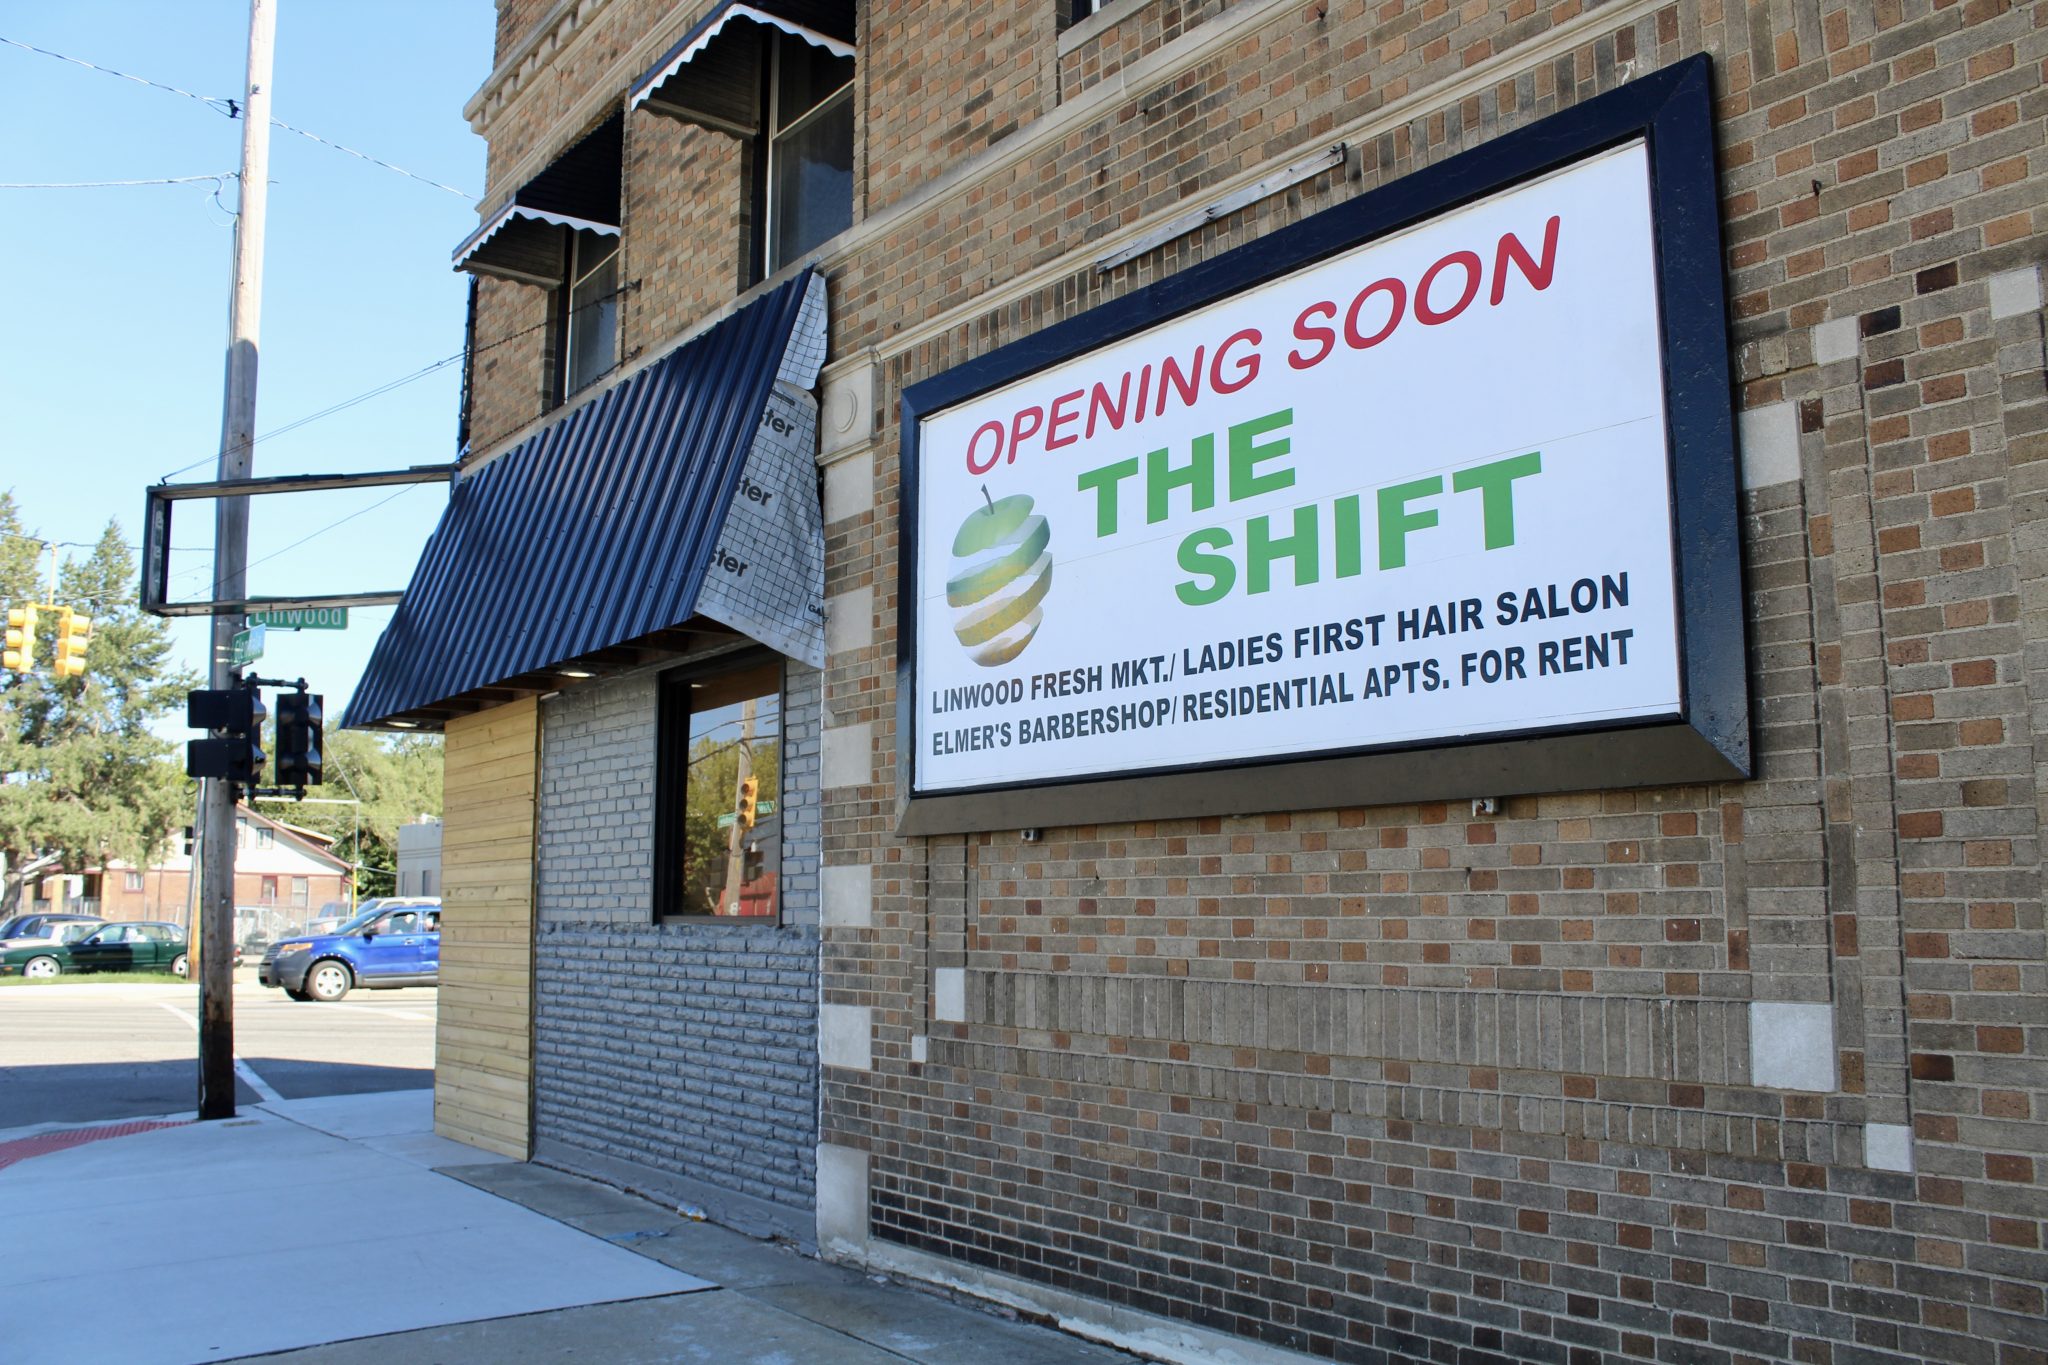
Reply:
x=375, y=161
x=115, y=184
x=309, y=536
x=421, y=373
x=229, y=107
x=225, y=106
x=365, y=397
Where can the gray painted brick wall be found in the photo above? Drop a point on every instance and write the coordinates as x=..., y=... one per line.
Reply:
x=679, y=1056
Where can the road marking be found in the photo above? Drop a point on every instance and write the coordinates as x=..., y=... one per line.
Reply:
x=242, y=1068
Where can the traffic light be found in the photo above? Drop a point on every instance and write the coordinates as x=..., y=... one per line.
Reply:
x=238, y=713
x=21, y=639
x=301, y=738
x=750, y=791
x=751, y=864
x=74, y=636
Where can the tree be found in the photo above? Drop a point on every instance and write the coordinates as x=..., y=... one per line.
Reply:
x=397, y=778
x=83, y=779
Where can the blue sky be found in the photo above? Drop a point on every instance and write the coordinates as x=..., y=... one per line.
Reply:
x=113, y=315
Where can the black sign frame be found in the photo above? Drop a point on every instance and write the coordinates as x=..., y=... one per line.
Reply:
x=1709, y=740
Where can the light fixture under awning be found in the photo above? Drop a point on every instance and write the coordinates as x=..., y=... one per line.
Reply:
x=721, y=89
x=686, y=492
x=525, y=240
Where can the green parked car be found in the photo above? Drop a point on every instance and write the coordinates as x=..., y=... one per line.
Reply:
x=140, y=947
x=39, y=946
x=147, y=946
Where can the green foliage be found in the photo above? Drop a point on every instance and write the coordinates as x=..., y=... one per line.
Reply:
x=82, y=777
x=397, y=778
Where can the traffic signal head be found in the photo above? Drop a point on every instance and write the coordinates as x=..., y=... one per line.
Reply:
x=21, y=639
x=74, y=636
x=301, y=738
x=239, y=713
x=750, y=792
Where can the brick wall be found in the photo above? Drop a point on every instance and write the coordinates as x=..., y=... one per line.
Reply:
x=685, y=254
x=1275, y=1077
x=509, y=384
x=677, y=1058
x=922, y=116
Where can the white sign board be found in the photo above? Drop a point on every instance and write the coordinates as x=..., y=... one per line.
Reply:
x=1416, y=492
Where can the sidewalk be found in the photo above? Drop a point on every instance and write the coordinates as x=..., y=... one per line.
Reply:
x=344, y=1220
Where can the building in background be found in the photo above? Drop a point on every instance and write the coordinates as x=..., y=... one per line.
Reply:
x=419, y=858
x=1407, y=725
x=285, y=871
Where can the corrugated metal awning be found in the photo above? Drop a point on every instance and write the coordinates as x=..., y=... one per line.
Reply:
x=600, y=529
x=722, y=88
x=526, y=240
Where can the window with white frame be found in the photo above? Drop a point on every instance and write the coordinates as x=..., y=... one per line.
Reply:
x=806, y=148
x=588, y=309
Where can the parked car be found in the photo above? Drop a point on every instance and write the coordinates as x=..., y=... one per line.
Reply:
x=142, y=946
x=391, y=942
x=39, y=946
x=47, y=927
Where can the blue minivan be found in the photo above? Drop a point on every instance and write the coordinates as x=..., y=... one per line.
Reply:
x=391, y=942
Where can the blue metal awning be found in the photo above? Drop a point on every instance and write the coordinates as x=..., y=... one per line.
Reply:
x=598, y=529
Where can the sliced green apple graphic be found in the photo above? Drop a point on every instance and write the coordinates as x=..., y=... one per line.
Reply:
x=1001, y=572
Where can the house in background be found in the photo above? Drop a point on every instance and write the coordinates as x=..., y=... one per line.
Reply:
x=277, y=866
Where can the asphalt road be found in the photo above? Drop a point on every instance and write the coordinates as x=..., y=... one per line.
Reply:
x=79, y=1052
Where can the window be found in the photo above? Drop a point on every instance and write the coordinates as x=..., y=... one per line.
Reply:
x=266, y=837
x=807, y=148
x=267, y=893
x=131, y=881
x=301, y=889
x=588, y=314
x=718, y=848
x=426, y=881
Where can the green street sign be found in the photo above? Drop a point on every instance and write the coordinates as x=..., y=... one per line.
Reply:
x=248, y=646
x=302, y=618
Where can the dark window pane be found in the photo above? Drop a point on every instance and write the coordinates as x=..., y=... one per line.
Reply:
x=813, y=180
x=593, y=317
x=807, y=75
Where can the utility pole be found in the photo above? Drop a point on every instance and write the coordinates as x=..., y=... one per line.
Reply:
x=230, y=577
x=736, y=842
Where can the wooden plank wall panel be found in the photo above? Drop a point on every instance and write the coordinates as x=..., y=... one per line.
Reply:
x=483, y=1048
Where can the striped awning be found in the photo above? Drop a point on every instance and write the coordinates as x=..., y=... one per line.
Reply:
x=525, y=239
x=712, y=76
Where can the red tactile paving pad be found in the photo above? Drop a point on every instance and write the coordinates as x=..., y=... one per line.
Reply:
x=21, y=1149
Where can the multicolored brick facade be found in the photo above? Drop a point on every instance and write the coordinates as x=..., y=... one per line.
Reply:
x=1755, y=1071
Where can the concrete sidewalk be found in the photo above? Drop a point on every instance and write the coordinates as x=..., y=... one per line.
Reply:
x=344, y=1220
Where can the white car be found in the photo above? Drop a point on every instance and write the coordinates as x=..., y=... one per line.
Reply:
x=23, y=930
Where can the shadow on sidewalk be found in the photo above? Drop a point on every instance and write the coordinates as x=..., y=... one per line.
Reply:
x=96, y=1092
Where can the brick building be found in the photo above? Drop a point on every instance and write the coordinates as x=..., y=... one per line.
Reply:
x=1536, y=1045
x=280, y=869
